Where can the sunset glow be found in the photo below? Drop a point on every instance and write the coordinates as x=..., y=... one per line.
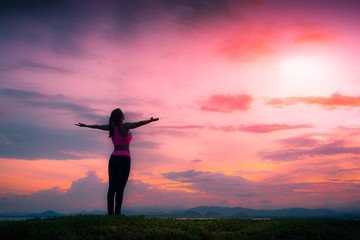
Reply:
x=258, y=101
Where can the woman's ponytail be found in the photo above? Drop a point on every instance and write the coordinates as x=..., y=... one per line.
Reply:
x=115, y=120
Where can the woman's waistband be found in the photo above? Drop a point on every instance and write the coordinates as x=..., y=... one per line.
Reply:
x=121, y=152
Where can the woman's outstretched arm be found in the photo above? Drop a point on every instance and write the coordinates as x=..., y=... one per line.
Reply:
x=101, y=127
x=138, y=124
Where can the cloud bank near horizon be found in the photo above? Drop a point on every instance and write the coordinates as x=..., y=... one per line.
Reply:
x=199, y=189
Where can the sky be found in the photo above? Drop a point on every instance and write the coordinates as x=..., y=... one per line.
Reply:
x=258, y=103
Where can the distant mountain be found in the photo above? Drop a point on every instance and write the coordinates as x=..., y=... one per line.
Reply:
x=48, y=214
x=191, y=214
x=95, y=212
x=239, y=212
x=32, y=215
x=240, y=215
x=213, y=215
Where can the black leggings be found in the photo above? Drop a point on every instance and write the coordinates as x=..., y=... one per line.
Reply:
x=119, y=169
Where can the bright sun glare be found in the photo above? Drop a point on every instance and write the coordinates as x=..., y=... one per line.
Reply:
x=299, y=67
x=302, y=74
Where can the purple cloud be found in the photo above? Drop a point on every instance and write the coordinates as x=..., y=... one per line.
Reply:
x=86, y=193
x=196, y=160
x=312, y=148
x=265, y=201
x=29, y=64
x=31, y=142
x=36, y=99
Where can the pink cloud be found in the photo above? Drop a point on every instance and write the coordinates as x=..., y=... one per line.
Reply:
x=254, y=40
x=258, y=48
x=334, y=101
x=315, y=37
x=313, y=33
x=267, y=128
x=257, y=128
x=183, y=127
x=226, y=103
x=228, y=128
x=250, y=46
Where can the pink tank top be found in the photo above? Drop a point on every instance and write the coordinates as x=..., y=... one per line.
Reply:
x=119, y=140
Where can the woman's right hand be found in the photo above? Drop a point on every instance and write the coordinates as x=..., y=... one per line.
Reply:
x=80, y=125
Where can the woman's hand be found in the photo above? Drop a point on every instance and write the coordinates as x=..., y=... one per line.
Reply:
x=81, y=125
x=154, y=119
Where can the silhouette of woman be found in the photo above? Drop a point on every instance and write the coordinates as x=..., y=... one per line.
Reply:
x=119, y=162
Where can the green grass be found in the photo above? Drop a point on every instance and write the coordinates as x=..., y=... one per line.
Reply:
x=139, y=227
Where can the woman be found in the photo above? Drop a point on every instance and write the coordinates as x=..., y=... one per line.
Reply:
x=119, y=163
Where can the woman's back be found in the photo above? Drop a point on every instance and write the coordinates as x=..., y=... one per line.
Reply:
x=121, y=136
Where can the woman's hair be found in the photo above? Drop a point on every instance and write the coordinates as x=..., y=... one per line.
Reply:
x=115, y=119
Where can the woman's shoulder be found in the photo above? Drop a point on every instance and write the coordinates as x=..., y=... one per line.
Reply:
x=125, y=125
x=124, y=130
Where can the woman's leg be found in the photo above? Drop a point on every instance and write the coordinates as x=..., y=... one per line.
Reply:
x=123, y=175
x=112, y=184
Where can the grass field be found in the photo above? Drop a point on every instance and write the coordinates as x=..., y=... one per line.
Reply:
x=140, y=227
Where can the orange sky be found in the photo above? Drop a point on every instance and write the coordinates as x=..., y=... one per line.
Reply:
x=258, y=103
